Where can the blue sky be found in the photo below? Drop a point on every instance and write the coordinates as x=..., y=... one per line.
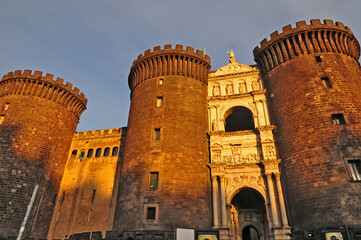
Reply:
x=92, y=44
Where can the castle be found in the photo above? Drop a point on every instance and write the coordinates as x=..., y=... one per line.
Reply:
x=270, y=151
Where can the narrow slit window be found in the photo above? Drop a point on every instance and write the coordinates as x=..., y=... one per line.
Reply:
x=63, y=198
x=157, y=134
x=318, y=58
x=90, y=153
x=326, y=82
x=106, y=152
x=115, y=151
x=159, y=101
x=93, y=196
x=151, y=213
x=153, y=183
x=355, y=169
x=338, y=119
x=98, y=152
x=2, y=117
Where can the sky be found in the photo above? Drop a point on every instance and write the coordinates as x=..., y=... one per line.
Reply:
x=92, y=43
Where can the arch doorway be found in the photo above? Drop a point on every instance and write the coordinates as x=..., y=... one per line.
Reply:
x=250, y=233
x=248, y=216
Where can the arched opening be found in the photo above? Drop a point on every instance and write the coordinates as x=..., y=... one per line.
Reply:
x=106, y=152
x=250, y=219
x=250, y=233
x=238, y=119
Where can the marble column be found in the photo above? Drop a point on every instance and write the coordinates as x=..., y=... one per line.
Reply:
x=215, y=202
x=271, y=192
x=265, y=110
x=261, y=122
x=255, y=120
x=223, y=202
x=281, y=200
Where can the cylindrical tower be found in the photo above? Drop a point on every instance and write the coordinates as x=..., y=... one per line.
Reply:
x=165, y=180
x=38, y=117
x=313, y=79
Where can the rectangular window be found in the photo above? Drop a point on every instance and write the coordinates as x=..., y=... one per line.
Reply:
x=338, y=119
x=159, y=101
x=150, y=213
x=326, y=82
x=318, y=58
x=153, y=181
x=6, y=106
x=355, y=169
x=160, y=81
x=157, y=134
x=2, y=117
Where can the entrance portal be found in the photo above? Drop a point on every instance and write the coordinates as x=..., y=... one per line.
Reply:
x=249, y=233
x=249, y=218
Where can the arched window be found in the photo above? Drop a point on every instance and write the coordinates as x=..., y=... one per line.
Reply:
x=98, y=152
x=115, y=151
x=238, y=119
x=73, y=153
x=106, y=152
x=82, y=154
x=90, y=153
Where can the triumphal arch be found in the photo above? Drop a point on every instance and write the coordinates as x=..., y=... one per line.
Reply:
x=247, y=192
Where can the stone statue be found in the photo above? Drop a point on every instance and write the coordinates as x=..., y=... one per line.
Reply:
x=255, y=85
x=242, y=87
x=232, y=59
x=229, y=89
x=215, y=90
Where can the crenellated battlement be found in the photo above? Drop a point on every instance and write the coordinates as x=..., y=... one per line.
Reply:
x=316, y=37
x=101, y=133
x=168, y=48
x=26, y=83
x=169, y=61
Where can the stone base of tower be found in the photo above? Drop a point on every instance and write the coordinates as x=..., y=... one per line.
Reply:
x=282, y=233
x=156, y=234
x=276, y=234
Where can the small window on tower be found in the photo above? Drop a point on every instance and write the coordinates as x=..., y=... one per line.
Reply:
x=115, y=151
x=159, y=101
x=157, y=134
x=318, y=58
x=355, y=169
x=106, y=152
x=98, y=152
x=153, y=182
x=6, y=106
x=326, y=82
x=151, y=213
x=338, y=119
x=160, y=81
x=82, y=153
x=73, y=153
x=2, y=117
x=90, y=153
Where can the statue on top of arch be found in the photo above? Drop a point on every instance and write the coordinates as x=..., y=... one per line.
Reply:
x=232, y=59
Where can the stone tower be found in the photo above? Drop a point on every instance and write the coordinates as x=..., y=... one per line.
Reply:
x=38, y=117
x=313, y=79
x=165, y=179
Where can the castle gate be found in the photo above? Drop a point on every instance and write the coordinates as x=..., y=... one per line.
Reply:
x=249, y=216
